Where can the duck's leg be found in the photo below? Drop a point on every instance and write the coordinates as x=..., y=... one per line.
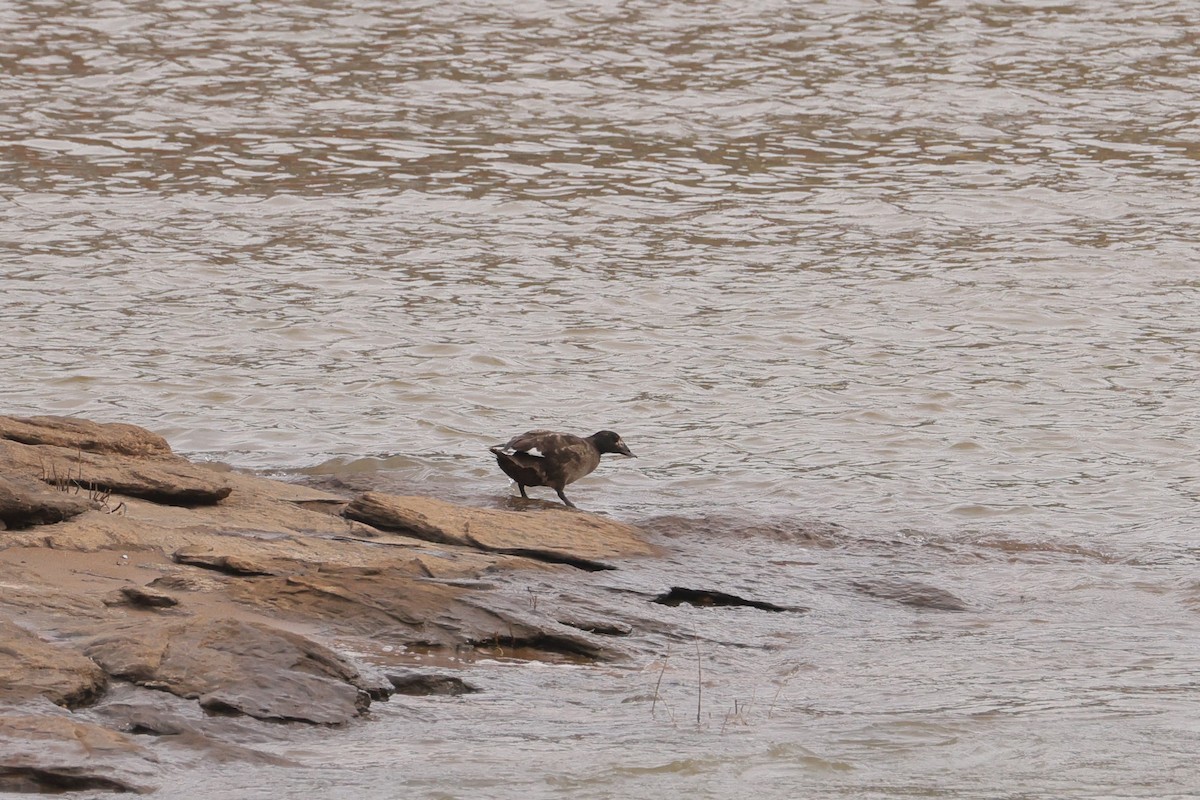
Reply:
x=521, y=486
x=563, y=497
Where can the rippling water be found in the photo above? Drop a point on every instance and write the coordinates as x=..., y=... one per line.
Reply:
x=925, y=270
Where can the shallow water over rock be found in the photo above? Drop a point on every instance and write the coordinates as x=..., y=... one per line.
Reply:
x=897, y=304
x=1044, y=678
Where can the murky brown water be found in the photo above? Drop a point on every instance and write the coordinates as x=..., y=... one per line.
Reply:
x=924, y=270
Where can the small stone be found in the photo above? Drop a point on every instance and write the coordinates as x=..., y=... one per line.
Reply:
x=147, y=598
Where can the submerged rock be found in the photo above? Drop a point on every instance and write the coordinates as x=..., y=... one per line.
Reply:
x=423, y=683
x=912, y=593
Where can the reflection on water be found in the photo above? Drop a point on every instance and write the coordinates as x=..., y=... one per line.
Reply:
x=923, y=270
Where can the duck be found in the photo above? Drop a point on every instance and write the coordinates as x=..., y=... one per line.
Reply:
x=549, y=458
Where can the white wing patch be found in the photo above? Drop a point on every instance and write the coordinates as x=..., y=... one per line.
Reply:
x=533, y=451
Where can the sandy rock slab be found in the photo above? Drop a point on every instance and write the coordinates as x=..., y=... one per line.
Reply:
x=52, y=753
x=81, y=434
x=30, y=666
x=96, y=458
x=564, y=537
x=25, y=502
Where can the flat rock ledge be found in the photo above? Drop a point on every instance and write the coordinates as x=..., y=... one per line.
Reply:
x=96, y=461
x=554, y=536
x=129, y=569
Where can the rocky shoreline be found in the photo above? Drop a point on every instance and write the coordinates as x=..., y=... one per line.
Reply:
x=148, y=602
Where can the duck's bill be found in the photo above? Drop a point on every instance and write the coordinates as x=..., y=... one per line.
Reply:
x=623, y=450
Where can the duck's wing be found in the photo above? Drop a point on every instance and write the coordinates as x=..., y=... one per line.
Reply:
x=540, y=443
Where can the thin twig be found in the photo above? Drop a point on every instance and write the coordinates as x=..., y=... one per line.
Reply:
x=658, y=683
x=699, y=675
x=784, y=682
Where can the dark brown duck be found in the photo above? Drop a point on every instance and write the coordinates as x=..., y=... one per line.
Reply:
x=547, y=458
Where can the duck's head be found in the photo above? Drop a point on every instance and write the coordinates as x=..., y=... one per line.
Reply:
x=610, y=442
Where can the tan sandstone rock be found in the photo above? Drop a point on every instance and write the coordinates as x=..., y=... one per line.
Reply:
x=166, y=479
x=81, y=434
x=25, y=502
x=565, y=536
x=30, y=666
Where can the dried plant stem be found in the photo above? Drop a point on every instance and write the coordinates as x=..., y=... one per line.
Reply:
x=779, y=689
x=699, y=676
x=771, y=708
x=658, y=683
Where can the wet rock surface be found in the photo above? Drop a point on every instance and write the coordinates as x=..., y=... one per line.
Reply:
x=54, y=753
x=602, y=627
x=158, y=598
x=237, y=667
x=159, y=720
